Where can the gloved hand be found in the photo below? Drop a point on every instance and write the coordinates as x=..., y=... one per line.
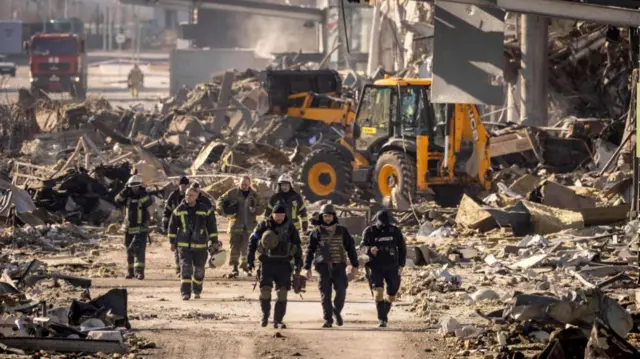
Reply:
x=305, y=226
x=215, y=246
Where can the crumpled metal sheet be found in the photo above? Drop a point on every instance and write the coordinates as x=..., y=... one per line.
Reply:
x=604, y=343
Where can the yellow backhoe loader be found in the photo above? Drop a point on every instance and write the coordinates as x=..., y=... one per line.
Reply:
x=396, y=138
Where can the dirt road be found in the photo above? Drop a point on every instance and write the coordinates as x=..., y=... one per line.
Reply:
x=224, y=322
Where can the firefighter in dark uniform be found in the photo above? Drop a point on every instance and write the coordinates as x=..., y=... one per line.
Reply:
x=241, y=205
x=136, y=201
x=202, y=196
x=329, y=246
x=294, y=204
x=278, y=244
x=173, y=201
x=191, y=228
x=387, y=251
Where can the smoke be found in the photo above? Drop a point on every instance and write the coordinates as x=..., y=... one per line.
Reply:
x=267, y=35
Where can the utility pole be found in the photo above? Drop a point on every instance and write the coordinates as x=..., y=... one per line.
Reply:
x=534, y=37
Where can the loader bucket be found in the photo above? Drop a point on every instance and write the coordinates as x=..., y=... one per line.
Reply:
x=280, y=84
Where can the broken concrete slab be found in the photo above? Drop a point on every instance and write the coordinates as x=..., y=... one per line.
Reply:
x=471, y=215
x=559, y=196
x=547, y=220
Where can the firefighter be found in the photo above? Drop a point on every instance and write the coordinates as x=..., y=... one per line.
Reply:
x=191, y=228
x=135, y=80
x=202, y=196
x=278, y=244
x=329, y=246
x=173, y=201
x=387, y=253
x=293, y=202
x=136, y=201
x=241, y=205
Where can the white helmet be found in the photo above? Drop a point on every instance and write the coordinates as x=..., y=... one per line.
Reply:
x=134, y=181
x=218, y=258
x=285, y=178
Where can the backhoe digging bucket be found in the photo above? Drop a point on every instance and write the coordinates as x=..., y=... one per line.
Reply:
x=280, y=84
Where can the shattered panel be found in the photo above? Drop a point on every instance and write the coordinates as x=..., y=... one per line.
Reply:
x=468, y=55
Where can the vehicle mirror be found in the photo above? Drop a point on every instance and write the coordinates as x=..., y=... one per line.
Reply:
x=357, y=131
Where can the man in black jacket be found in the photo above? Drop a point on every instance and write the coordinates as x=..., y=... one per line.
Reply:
x=292, y=201
x=172, y=202
x=387, y=253
x=278, y=244
x=191, y=228
x=329, y=246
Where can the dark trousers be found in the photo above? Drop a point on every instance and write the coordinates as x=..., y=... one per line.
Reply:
x=336, y=279
x=276, y=273
x=136, y=245
x=177, y=257
x=192, y=265
x=388, y=276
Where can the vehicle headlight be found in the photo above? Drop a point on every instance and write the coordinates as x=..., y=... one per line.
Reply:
x=75, y=79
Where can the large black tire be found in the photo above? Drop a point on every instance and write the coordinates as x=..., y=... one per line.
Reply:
x=326, y=175
x=401, y=167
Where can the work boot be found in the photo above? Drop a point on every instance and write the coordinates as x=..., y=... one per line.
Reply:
x=382, y=324
x=380, y=307
x=279, y=311
x=196, y=296
x=327, y=324
x=186, y=297
x=339, y=321
x=234, y=271
x=387, y=309
x=265, y=305
x=129, y=275
x=140, y=276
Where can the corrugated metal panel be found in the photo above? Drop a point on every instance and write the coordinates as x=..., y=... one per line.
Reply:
x=468, y=55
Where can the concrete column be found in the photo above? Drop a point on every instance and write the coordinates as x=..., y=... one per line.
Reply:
x=534, y=35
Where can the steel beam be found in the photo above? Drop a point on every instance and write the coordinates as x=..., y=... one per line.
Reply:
x=564, y=9
x=243, y=6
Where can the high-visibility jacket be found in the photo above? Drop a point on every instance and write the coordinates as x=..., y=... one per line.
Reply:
x=193, y=226
x=296, y=209
x=136, y=207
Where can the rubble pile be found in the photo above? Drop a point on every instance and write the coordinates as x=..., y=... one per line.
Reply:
x=55, y=312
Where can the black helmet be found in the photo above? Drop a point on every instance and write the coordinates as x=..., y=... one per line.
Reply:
x=229, y=207
x=328, y=209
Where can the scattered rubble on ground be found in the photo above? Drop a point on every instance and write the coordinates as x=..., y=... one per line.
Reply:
x=544, y=263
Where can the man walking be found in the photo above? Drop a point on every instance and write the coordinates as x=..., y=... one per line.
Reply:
x=278, y=244
x=293, y=202
x=241, y=205
x=387, y=251
x=329, y=246
x=191, y=227
x=135, y=80
x=173, y=201
x=136, y=201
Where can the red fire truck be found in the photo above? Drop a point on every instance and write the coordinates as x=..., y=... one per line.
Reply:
x=58, y=63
